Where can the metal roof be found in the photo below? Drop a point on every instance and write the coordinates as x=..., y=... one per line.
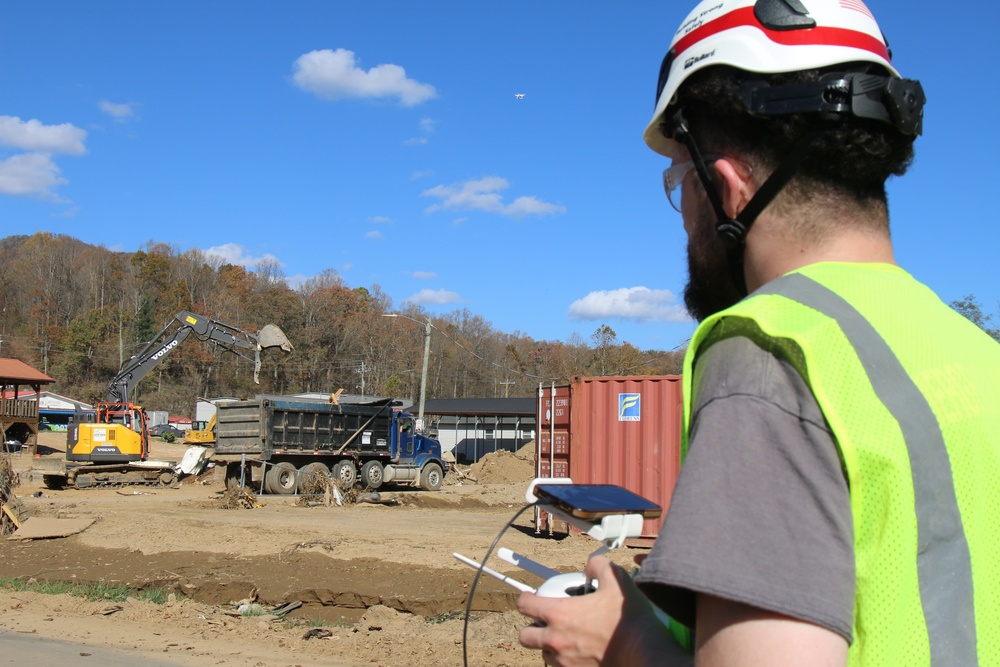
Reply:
x=15, y=371
x=523, y=407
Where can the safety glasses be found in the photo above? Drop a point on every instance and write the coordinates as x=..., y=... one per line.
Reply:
x=675, y=174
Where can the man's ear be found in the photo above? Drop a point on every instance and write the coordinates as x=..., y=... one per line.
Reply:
x=737, y=189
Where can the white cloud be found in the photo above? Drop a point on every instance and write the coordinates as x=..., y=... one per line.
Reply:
x=483, y=195
x=374, y=234
x=32, y=135
x=120, y=112
x=30, y=175
x=380, y=219
x=630, y=303
x=336, y=75
x=426, y=126
x=236, y=254
x=423, y=275
x=417, y=175
x=68, y=213
x=296, y=281
x=523, y=206
x=433, y=297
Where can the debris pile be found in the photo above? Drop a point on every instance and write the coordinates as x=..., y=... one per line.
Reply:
x=235, y=498
x=312, y=484
x=12, y=511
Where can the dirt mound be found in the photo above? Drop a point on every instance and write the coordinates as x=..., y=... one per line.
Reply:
x=503, y=467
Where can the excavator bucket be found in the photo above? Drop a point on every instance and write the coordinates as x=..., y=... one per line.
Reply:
x=270, y=336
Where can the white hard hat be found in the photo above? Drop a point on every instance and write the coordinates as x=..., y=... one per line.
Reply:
x=768, y=37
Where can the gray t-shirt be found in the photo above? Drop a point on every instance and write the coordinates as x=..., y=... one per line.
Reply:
x=761, y=512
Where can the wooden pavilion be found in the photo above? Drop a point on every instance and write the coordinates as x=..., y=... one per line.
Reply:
x=20, y=415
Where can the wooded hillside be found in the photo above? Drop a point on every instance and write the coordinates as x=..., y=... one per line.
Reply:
x=77, y=311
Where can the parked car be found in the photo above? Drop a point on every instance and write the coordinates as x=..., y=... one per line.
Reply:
x=162, y=429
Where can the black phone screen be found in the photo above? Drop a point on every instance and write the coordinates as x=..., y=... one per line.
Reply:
x=589, y=501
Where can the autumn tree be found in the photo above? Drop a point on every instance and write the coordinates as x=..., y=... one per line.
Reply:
x=969, y=307
x=80, y=311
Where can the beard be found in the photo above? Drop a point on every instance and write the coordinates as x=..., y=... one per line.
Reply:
x=712, y=284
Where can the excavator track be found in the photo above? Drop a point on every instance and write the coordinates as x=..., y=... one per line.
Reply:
x=112, y=476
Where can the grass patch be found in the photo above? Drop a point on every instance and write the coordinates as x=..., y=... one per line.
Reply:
x=101, y=590
x=93, y=591
x=154, y=595
x=314, y=622
x=447, y=616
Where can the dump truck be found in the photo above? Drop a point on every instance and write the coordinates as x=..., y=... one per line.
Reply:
x=272, y=442
x=109, y=446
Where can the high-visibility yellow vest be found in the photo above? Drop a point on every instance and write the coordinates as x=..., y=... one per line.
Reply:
x=911, y=392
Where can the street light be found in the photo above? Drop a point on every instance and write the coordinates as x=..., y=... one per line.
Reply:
x=427, y=356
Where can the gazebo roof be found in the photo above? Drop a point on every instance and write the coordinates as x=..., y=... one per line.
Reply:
x=14, y=371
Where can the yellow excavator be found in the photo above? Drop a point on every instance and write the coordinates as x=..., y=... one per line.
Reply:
x=110, y=445
x=201, y=433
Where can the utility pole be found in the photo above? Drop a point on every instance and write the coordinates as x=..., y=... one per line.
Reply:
x=506, y=384
x=427, y=356
x=423, y=373
x=363, y=368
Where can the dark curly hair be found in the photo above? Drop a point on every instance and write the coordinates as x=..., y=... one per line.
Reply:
x=849, y=161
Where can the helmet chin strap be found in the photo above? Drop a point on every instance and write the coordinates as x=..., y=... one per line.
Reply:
x=733, y=231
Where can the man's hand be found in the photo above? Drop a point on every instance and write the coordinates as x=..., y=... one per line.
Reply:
x=615, y=625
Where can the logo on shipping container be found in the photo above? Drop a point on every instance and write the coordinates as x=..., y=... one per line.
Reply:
x=628, y=407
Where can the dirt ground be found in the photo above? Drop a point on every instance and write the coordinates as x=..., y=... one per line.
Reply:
x=377, y=582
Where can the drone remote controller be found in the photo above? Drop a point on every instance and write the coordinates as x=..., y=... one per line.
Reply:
x=567, y=585
x=607, y=513
x=556, y=584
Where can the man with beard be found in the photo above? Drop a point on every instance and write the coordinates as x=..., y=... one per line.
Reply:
x=838, y=498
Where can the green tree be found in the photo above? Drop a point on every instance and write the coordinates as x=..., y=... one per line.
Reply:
x=969, y=307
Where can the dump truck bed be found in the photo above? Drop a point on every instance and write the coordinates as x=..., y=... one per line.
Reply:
x=267, y=425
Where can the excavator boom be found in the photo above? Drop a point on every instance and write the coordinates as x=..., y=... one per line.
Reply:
x=229, y=338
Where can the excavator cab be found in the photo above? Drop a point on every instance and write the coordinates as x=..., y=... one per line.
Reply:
x=115, y=433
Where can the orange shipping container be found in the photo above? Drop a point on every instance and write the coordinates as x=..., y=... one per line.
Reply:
x=612, y=430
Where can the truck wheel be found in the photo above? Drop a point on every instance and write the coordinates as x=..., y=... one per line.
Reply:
x=344, y=473
x=315, y=470
x=372, y=474
x=283, y=479
x=431, y=477
x=313, y=477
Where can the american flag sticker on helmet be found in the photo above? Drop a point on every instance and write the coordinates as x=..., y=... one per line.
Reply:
x=858, y=6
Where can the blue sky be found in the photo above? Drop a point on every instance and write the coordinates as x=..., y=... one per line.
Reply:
x=384, y=140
